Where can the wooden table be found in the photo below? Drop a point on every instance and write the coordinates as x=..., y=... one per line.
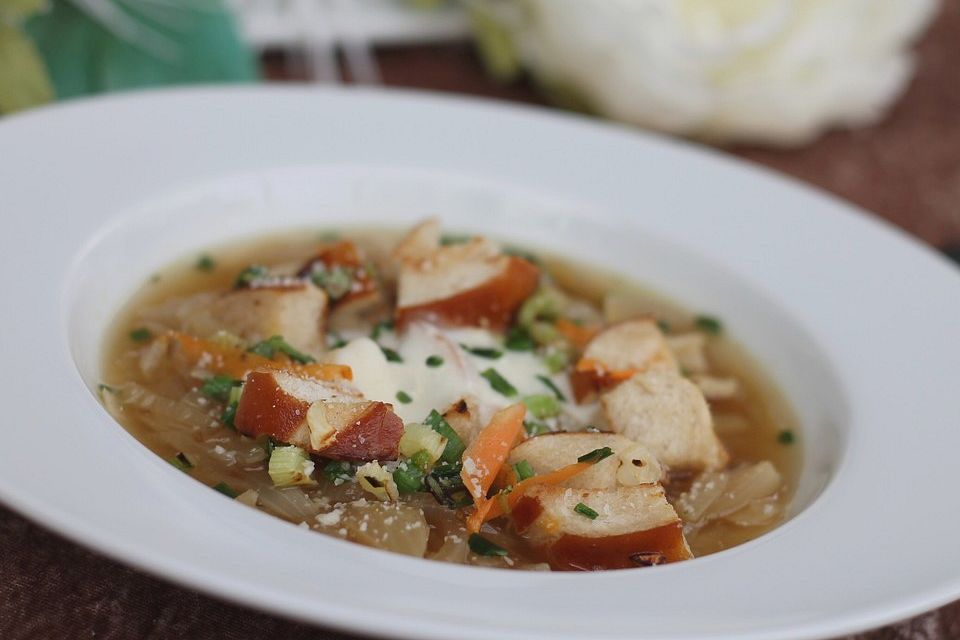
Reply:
x=906, y=169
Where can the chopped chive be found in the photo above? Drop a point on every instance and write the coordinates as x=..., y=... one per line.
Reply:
x=404, y=397
x=519, y=339
x=553, y=387
x=336, y=281
x=786, y=437
x=524, y=470
x=141, y=334
x=181, y=461
x=708, y=324
x=664, y=326
x=455, y=445
x=535, y=428
x=586, y=511
x=250, y=275
x=596, y=455
x=380, y=327
x=408, y=478
x=556, y=359
x=483, y=547
x=391, y=355
x=498, y=383
x=219, y=387
x=450, y=239
x=483, y=352
x=434, y=361
x=205, y=263
x=226, y=490
x=276, y=344
x=269, y=446
x=338, y=472
x=335, y=341
x=542, y=406
x=230, y=410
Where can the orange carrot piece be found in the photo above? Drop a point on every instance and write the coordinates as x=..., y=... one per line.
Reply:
x=237, y=363
x=588, y=365
x=577, y=335
x=492, y=508
x=485, y=456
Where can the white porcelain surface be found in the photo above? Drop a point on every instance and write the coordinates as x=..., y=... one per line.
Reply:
x=854, y=321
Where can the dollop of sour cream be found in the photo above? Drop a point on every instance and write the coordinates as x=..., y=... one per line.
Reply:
x=438, y=367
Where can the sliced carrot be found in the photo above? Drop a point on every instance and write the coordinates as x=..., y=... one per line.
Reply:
x=493, y=508
x=577, y=335
x=588, y=365
x=237, y=363
x=485, y=456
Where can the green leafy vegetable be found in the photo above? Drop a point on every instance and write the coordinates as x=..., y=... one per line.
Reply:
x=338, y=471
x=498, y=383
x=519, y=339
x=219, y=387
x=483, y=547
x=276, y=344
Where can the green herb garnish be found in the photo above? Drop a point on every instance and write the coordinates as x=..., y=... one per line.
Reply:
x=205, y=263
x=550, y=385
x=181, y=461
x=404, y=397
x=434, y=361
x=445, y=484
x=276, y=344
x=335, y=341
x=483, y=352
x=219, y=387
x=523, y=470
x=380, y=327
x=786, y=437
x=586, y=511
x=141, y=334
x=250, y=275
x=230, y=410
x=498, y=383
x=226, y=490
x=338, y=471
x=535, y=428
x=483, y=547
x=596, y=455
x=391, y=355
x=336, y=281
x=542, y=406
x=455, y=446
x=519, y=339
x=451, y=239
x=708, y=324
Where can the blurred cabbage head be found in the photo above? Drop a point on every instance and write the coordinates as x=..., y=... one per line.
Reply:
x=776, y=72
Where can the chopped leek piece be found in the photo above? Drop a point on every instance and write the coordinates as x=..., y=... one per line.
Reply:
x=708, y=324
x=290, y=466
x=420, y=437
x=545, y=304
x=380, y=327
x=205, y=263
x=219, y=387
x=483, y=547
x=181, y=461
x=141, y=334
x=553, y=387
x=403, y=397
x=408, y=478
x=482, y=352
x=542, y=406
x=226, y=490
x=519, y=339
x=523, y=470
x=556, y=358
x=276, y=344
x=230, y=411
x=434, y=361
x=498, y=383
x=596, y=455
x=250, y=275
x=391, y=355
x=586, y=511
x=377, y=481
x=455, y=446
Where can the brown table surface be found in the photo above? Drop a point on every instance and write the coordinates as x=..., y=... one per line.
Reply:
x=906, y=169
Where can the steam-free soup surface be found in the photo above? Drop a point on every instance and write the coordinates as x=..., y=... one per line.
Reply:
x=172, y=378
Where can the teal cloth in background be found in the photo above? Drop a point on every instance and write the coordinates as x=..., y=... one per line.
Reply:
x=176, y=42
